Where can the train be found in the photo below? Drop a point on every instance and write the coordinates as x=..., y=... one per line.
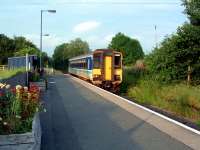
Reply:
x=102, y=67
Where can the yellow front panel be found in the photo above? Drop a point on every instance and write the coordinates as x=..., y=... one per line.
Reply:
x=108, y=68
x=96, y=71
x=119, y=73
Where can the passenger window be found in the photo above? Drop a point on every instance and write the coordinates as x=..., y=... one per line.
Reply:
x=117, y=61
x=97, y=61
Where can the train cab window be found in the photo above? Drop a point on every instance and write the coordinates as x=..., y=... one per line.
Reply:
x=97, y=61
x=117, y=60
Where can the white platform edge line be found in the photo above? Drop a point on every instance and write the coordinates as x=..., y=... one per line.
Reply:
x=144, y=108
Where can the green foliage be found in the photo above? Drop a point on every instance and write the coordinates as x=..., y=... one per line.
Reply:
x=131, y=76
x=179, y=99
x=130, y=48
x=161, y=85
x=27, y=50
x=21, y=42
x=198, y=123
x=34, y=77
x=46, y=60
x=171, y=60
x=68, y=50
x=9, y=47
x=193, y=11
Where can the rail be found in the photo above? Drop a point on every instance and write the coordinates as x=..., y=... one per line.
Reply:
x=3, y=67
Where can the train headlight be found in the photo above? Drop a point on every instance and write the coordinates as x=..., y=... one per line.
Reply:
x=96, y=77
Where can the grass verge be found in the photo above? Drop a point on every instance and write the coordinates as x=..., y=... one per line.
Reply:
x=10, y=73
x=180, y=99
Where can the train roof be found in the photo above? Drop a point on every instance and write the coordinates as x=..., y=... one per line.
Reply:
x=105, y=50
x=81, y=56
x=91, y=53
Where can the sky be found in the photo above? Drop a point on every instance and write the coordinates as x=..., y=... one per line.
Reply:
x=94, y=21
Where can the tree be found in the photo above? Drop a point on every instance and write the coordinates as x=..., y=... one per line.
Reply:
x=27, y=50
x=46, y=60
x=130, y=48
x=59, y=55
x=192, y=9
x=21, y=42
x=7, y=48
x=68, y=50
x=178, y=56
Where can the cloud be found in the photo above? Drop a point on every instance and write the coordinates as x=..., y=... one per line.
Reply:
x=86, y=26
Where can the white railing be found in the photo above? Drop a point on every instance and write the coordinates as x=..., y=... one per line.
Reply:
x=3, y=67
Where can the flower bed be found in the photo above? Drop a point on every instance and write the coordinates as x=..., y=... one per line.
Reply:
x=18, y=106
x=19, y=120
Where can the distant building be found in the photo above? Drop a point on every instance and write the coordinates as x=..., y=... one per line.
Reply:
x=20, y=62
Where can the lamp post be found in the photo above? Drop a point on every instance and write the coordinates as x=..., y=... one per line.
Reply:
x=41, y=34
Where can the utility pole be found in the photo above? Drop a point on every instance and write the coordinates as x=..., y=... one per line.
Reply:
x=41, y=40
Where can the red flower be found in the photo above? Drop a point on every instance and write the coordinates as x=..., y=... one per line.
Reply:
x=13, y=90
x=1, y=94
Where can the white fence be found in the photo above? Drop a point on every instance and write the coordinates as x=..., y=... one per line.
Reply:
x=3, y=67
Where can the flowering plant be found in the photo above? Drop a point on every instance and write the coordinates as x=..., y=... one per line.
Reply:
x=17, y=108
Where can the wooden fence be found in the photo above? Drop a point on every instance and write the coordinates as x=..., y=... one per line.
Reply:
x=3, y=67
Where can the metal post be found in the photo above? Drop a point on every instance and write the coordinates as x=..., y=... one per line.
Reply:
x=41, y=41
x=27, y=63
x=41, y=34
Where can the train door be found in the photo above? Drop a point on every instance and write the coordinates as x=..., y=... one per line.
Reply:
x=108, y=67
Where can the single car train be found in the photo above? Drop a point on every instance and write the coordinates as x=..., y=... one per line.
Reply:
x=103, y=68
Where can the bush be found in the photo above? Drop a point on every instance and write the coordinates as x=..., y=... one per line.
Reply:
x=131, y=76
x=34, y=77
